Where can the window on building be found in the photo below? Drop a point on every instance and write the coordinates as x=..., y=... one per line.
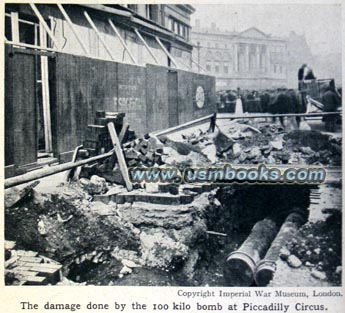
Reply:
x=133, y=7
x=8, y=30
x=226, y=69
x=216, y=45
x=216, y=67
x=175, y=27
x=171, y=24
x=152, y=12
x=178, y=28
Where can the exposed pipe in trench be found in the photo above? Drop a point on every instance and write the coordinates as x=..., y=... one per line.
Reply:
x=240, y=264
x=266, y=268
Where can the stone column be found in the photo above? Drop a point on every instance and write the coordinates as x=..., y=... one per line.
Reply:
x=247, y=57
x=268, y=61
x=235, y=57
x=258, y=57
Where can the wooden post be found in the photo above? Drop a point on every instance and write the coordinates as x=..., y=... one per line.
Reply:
x=70, y=24
x=92, y=24
x=15, y=27
x=121, y=40
x=120, y=156
x=146, y=45
x=45, y=93
x=123, y=132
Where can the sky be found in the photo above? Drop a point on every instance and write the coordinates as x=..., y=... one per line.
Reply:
x=320, y=23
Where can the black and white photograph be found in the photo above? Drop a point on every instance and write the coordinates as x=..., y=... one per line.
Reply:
x=173, y=145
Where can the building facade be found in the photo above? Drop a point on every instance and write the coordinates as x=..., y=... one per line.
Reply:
x=63, y=63
x=170, y=23
x=250, y=59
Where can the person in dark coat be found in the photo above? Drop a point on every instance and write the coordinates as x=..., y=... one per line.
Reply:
x=300, y=76
x=309, y=75
x=331, y=102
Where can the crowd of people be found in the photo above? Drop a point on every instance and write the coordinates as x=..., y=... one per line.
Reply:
x=284, y=100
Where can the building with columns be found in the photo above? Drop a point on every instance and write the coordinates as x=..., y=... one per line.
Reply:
x=250, y=59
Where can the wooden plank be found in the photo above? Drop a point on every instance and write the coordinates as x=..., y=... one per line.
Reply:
x=45, y=93
x=35, y=280
x=33, y=52
x=120, y=156
x=27, y=45
x=15, y=27
x=123, y=132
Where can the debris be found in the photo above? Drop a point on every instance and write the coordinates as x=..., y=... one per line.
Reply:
x=236, y=149
x=318, y=274
x=61, y=220
x=152, y=187
x=129, y=263
x=211, y=232
x=294, y=261
x=306, y=150
x=84, y=181
x=222, y=142
x=284, y=253
x=277, y=144
x=97, y=185
x=41, y=228
x=125, y=270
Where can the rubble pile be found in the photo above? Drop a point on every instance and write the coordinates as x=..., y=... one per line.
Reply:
x=144, y=152
x=247, y=142
x=318, y=247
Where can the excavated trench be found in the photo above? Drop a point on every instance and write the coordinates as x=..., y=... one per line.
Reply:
x=92, y=242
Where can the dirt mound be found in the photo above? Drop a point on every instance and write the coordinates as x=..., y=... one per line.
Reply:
x=318, y=246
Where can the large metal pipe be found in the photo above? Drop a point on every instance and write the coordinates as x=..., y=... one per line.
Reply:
x=240, y=264
x=266, y=268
